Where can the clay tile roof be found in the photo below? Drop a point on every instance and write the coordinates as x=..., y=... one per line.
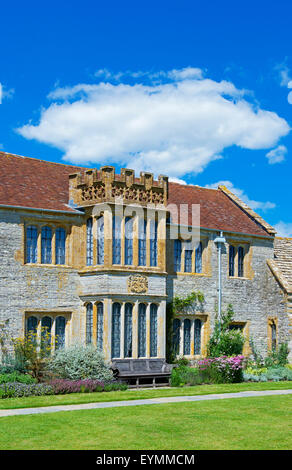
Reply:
x=217, y=210
x=29, y=182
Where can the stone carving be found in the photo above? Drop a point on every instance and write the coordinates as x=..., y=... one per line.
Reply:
x=103, y=185
x=138, y=284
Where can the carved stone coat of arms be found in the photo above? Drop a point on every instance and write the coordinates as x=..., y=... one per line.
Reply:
x=138, y=284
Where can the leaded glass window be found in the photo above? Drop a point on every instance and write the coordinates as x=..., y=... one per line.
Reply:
x=60, y=246
x=129, y=240
x=176, y=336
x=31, y=325
x=89, y=242
x=46, y=245
x=188, y=257
x=99, y=330
x=197, y=338
x=89, y=323
x=198, y=258
x=142, y=330
x=100, y=240
x=117, y=240
x=31, y=244
x=187, y=337
x=177, y=255
x=274, y=336
x=60, y=332
x=46, y=329
x=128, y=330
x=142, y=242
x=240, y=261
x=153, y=242
x=231, y=260
x=116, y=330
x=153, y=330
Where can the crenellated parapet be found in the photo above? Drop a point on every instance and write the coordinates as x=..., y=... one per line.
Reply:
x=104, y=185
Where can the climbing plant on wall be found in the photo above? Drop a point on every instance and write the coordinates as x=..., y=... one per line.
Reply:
x=179, y=305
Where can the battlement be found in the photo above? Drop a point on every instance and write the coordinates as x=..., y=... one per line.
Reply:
x=104, y=185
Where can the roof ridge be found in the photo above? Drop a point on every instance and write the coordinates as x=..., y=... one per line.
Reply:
x=284, y=238
x=8, y=154
x=247, y=209
x=279, y=275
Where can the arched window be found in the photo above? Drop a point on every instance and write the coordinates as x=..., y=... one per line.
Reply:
x=116, y=330
x=46, y=245
x=153, y=242
x=46, y=329
x=197, y=338
x=176, y=336
x=31, y=244
x=89, y=323
x=31, y=327
x=100, y=240
x=142, y=330
x=153, y=330
x=142, y=242
x=117, y=240
x=60, y=246
x=60, y=333
x=240, y=261
x=177, y=255
x=198, y=258
x=128, y=330
x=129, y=240
x=89, y=242
x=188, y=256
x=231, y=260
x=99, y=330
x=187, y=337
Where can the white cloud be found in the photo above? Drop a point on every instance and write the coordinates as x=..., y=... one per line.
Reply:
x=290, y=94
x=285, y=78
x=173, y=179
x=284, y=229
x=255, y=205
x=5, y=93
x=175, y=127
x=277, y=155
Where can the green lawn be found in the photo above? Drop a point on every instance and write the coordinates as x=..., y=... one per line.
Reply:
x=260, y=423
x=78, y=398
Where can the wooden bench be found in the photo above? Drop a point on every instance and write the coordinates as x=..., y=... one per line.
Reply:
x=142, y=372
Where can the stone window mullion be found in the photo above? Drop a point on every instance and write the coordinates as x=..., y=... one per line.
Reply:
x=181, y=336
x=192, y=337
x=122, y=331
x=39, y=246
x=53, y=245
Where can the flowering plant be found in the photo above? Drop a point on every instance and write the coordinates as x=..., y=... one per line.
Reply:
x=223, y=368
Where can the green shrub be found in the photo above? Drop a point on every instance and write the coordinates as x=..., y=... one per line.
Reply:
x=182, y=361
x=255, y=370
x=279, y=357
x=80, y=362
x=17, y=377
x=225, y=341
x=184, y=375
x=274, y=374
x=10, y=390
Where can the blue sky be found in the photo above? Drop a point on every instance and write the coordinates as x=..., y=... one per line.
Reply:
x=200, y=91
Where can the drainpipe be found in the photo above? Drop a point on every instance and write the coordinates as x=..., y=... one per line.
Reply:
x=219, y=242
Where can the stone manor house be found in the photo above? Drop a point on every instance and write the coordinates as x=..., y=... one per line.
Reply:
x=95, y=257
